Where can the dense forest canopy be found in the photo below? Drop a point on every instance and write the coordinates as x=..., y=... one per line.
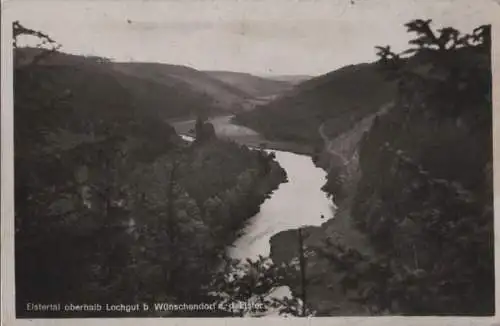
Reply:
x=112, y=206
x=425, y=195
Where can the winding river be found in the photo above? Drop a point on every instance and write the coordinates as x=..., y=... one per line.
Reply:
x=298, y=202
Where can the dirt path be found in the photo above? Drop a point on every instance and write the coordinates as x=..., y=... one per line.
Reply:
x=329, y=145
x=344, y=146
x=328, y=297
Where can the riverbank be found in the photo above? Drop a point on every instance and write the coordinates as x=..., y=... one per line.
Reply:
x=285, y=208
x=325, y=295
x=324, y=290
x=276, y=177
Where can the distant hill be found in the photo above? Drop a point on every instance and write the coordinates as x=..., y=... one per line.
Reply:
x=180, y=91
x=224, y=96
x=292, y=79
x=257, y=87
x=192, y=90
x=154, y=95
x=337, y=99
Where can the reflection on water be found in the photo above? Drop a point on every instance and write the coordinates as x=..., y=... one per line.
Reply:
x=299, y=202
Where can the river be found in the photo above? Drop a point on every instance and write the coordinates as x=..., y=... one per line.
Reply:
x=299, y=202
x=296, y=203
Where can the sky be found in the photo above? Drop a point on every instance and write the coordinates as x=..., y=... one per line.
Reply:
x=271, y=37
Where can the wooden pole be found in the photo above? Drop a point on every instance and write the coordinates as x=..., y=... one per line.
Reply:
x=302, y=271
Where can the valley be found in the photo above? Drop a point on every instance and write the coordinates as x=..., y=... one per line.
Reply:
x=363, y=191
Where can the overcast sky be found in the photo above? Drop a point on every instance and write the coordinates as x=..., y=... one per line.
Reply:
x=261, y=37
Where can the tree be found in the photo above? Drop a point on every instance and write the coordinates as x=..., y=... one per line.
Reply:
x=204, y=130
x=254, y=281
x=47, y=44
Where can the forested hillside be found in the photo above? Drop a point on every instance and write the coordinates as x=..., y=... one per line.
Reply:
x=174, y=91
x=433, y=224
x=420, y=190
x=337, y=99
x=165, y=101
x=225, y=97
x=111, y=206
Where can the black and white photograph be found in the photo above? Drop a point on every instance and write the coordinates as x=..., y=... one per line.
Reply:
x=251, y=158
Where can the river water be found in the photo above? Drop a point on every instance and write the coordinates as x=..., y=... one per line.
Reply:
x=299, y=202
